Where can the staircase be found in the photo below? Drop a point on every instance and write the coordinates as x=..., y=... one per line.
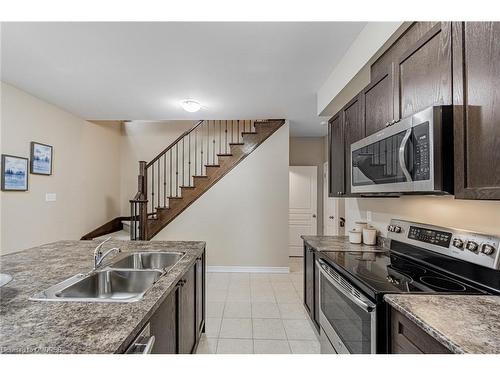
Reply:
x=188, y=167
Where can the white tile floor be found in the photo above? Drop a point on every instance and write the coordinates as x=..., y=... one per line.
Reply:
x=259, y=313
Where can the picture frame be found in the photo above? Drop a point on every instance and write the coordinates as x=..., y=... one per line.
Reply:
x=41, y=156
x=15, y=172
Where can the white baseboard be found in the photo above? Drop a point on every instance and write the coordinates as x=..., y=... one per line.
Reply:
x=248, y=269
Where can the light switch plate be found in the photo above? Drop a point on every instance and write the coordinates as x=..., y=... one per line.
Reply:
x=368, y=216
x=50, y=197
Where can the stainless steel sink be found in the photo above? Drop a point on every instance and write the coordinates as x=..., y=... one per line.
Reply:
x=108, y=285
x=157, y=260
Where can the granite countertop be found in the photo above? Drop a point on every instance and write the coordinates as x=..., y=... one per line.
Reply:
x=76, y=327
x=463, y=324
x=339, y=243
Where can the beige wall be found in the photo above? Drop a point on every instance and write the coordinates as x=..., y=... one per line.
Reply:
x=244, y=217
x=143, y=140
x=85, y=173
x=309, y=151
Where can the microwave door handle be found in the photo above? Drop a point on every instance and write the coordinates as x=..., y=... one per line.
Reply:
x=402, y=160
x=367, y=307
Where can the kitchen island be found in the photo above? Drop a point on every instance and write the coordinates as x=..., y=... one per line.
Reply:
x=87, y=327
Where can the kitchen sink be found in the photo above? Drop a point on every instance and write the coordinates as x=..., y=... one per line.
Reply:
x=157, y=260
x=108, y=285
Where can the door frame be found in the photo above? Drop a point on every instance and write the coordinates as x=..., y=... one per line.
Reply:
x=314, y=199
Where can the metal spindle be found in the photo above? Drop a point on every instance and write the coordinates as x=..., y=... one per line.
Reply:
x=176, y=169
x=152, y=188
x=220, y=136
x=225, y=141
x=183, y=180
x=165, y=180
x=213, y=145
x=189, y=159
x=195, y=151
x=159, y=174
x=170, y=190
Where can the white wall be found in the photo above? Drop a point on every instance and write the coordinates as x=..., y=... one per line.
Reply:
x=85, y=173
x=143, y=140
x=373, y=36
x=244, y=217
x=480, y=216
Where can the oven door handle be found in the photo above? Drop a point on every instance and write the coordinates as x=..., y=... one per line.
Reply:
x=402, y=161
x=365, y=304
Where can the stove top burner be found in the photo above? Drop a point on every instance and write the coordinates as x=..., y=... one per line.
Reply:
x=409, y=269
x=442, y=284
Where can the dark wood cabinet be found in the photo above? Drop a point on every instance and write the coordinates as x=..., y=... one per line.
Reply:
x=311, y=285
x=354, y=130
x=476, y=96
x=407, y=338
x=200, y=295
x=377, y=101
x=336, y=157
x=187, y=314
x=423, y=74
x=178, y=322
x=163, y=325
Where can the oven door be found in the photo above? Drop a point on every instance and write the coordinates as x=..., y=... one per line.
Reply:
x=347, y=317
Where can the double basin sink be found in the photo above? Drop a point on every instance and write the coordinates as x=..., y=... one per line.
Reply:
x=125, y=280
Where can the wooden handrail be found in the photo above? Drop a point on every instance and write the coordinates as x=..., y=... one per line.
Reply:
x=174, y=143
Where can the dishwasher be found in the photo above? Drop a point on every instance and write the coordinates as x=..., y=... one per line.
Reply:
x=143, y=343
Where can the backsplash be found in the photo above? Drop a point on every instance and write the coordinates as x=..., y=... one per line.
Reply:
x=478, y=216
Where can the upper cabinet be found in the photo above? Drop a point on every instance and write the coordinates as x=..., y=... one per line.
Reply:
x=354, y=130
x=423, y=73
x=476, y=96
x=336, y=156
x=419, y=70
x=377, y=101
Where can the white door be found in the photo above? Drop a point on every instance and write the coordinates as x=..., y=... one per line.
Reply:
x=333, y=210
x=302, y=214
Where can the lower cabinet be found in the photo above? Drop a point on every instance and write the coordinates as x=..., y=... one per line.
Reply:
x=179, y=321
x=311, y=285
x=408, y=338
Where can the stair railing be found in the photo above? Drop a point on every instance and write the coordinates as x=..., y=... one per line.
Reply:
x=161, y=179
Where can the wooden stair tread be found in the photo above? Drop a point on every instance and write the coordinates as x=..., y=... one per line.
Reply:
x=202, y=183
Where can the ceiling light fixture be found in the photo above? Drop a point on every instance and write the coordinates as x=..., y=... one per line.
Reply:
x=323, y=122
x=190, y=105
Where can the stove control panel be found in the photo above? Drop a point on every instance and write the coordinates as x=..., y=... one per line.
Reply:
x=472, y=247
x=434, y=237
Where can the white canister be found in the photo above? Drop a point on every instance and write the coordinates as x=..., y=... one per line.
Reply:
x=355, y=236
x=360, y=225
x=369, y=236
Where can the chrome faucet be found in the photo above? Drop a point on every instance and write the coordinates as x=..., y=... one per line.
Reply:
x=99, y=256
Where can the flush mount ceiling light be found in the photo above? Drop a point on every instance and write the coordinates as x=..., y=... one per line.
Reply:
x=190, y=105
x=323, y=122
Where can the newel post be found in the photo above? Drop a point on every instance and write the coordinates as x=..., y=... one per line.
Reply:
x=143, y=197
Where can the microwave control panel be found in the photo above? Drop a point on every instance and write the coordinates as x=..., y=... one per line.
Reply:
x=421, y=152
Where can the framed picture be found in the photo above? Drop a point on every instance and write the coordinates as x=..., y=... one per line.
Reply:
x=14, y=173
x=41, y=159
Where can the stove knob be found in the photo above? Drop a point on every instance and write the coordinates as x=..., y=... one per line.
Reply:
x=471, y=246
x=458, y=243
x=397, y=229
x=390, y=228
x=487, y=249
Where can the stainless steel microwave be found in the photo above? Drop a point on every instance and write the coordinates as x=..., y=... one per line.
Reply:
x=413, y=156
